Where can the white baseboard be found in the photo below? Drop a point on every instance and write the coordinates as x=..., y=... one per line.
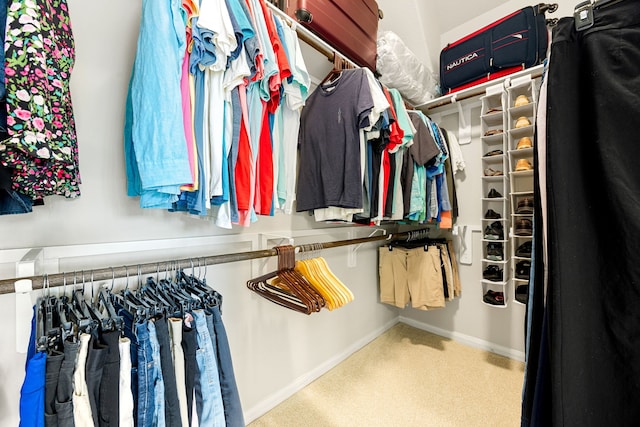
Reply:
x=299, y=383
x=466, y=339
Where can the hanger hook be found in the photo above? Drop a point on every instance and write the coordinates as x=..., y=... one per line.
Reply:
x=92, y=286
x=139, y=276
x=64, y=283
x=126, y=270
x=45, y=285
x=113, y=279
x=83, y=282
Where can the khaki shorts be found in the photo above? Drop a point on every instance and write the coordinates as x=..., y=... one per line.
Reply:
x=411, y=275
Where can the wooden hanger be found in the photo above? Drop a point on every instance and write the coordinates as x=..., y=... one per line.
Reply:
x=325, y=282
x=294, y=279
x=286, y=287
x=339, y=65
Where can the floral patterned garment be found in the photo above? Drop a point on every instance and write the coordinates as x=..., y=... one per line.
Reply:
x=42, y=147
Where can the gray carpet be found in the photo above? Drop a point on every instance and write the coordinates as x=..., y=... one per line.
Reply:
x=408, y=377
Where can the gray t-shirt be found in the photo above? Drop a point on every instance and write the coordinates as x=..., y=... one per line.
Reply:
x=329, y=170
x=422, y=151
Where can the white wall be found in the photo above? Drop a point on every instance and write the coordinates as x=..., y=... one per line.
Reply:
x=416, y=23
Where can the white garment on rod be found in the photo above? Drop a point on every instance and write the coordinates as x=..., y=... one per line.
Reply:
x=175, y=332
x=82, y=415
x=125, y=395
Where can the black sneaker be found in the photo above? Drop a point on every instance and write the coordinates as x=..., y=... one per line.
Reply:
x=494, y=231
x=495, y=251
x=524, y=250
x=493, y=194
x=522, y=293
x=493, y=297
x=493, y=273
x=523, y=269
x=491, y=214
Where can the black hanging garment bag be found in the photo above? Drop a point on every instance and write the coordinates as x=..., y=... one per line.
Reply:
x=510, y=44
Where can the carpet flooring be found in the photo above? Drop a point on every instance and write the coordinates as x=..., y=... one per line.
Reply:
x=408, y=377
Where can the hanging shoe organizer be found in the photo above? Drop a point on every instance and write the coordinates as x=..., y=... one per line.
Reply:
x=522, y=100
x=495, y=206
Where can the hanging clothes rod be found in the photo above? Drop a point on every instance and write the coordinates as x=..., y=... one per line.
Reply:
x=7, y=286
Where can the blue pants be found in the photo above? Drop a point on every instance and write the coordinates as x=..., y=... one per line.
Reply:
x=208, y=395
x=32, y=392
x=230, y=396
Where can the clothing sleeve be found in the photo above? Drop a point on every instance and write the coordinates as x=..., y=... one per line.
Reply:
x=365, y=103
x=424, y=148
x=380, y=102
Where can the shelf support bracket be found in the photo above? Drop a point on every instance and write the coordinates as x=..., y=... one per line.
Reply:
x=27, y=266
x=352, y=259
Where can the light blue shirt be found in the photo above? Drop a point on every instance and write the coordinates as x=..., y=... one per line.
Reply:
x=154, y=132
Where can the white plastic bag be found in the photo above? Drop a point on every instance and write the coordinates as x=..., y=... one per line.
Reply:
x=401, y=69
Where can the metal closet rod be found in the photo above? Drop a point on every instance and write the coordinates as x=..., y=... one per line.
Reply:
x=7, y=286
x=478, y=90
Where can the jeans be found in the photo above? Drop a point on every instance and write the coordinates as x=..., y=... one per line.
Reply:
x=11, y=202
x=230, y=396
x=146, y=377
x=212, y=332
x=171, y=404
x=158, y=381
x=208, y=395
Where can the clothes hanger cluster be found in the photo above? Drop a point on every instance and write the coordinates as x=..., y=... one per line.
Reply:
x=303, y=287
x=173, y=296
x=287, y=287
x=64, y=317
x=318, y=273
x=339, y=64
x=416, y=239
